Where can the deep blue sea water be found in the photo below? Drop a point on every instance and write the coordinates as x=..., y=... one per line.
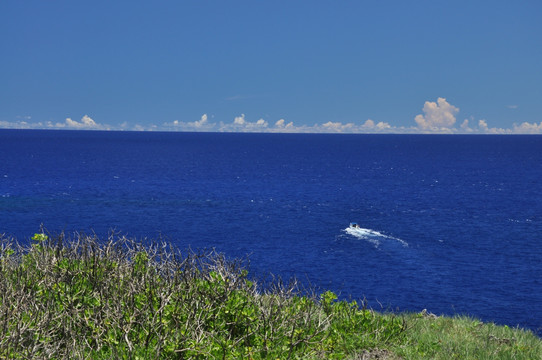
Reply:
x=452, y=224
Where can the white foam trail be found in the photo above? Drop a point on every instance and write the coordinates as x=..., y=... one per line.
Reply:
x=365, y=234
x=371, y=235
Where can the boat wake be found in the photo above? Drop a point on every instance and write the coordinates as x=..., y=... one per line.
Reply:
x=372, y=236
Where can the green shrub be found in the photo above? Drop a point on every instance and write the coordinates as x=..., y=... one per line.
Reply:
x=85, y=298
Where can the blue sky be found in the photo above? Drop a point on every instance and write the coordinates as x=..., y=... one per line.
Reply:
x=299, y=66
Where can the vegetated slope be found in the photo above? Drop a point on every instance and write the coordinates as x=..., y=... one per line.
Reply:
x=87, y=298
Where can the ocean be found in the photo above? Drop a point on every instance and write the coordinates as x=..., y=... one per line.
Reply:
x=448, y=223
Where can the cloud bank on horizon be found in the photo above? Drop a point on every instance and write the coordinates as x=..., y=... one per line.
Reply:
x=438, y=118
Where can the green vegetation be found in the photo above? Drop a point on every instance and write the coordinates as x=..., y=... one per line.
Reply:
x=82, y=298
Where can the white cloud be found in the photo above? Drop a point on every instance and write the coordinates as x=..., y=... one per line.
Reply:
x=202, y=124
x=368, y=124
x=527, y=128
x=482, y=125
x=202, y=121
x=438, y=117
x=240, y=124
x=485, y=129
x=239, y=120
x=18, y=125
x=383, y=126
x=281, y=124
x=465, y=127
x=85, y=123
x=337, y=127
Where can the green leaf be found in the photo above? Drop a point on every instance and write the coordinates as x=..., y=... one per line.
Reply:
x=40, y=237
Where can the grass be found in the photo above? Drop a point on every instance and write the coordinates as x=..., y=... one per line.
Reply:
x=83, y=298
x=463, y=337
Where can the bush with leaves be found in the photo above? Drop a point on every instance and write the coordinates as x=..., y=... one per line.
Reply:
x=83, y=298
x=86, y=298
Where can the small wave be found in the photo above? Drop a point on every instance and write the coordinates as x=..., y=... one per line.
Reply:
x=372, y=236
